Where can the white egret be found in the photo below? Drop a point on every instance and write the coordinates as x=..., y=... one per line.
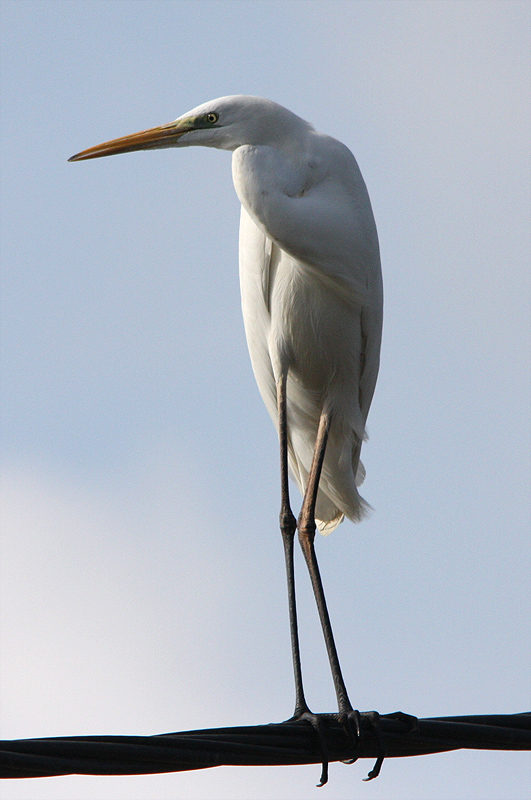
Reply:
x=312, y=305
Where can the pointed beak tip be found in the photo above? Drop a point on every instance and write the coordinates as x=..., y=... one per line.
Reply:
x=153, y=138
x=82, y=157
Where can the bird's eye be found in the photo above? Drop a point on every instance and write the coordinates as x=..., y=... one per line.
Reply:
x=211, y=117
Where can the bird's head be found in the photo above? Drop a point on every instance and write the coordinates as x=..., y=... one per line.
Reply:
x=225, y=123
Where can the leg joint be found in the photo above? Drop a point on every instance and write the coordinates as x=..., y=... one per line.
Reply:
x=288, y=523
x=306, y=528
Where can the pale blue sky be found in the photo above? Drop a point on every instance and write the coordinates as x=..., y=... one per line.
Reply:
x=143, y=577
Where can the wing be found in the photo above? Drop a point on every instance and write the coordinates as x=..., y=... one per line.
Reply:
x=322, y=217
x=319, y=222
x=255, y=280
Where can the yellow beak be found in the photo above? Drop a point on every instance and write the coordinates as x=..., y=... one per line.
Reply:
x=162, y=136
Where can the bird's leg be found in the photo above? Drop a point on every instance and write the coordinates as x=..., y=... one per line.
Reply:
x=288, y=526
x=307, y=527
x=350, y=718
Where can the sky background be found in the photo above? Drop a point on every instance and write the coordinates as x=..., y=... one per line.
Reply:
x=142, y=569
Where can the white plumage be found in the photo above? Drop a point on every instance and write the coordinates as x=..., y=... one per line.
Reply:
x=311, y=298
x=312, y=304
x=310, y=277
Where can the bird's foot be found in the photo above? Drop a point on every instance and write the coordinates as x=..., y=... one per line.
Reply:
x=352, y=723
x=355, y=726
x=316, y=721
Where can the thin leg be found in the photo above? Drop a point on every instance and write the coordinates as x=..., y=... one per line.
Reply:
x=306, y=526
x=288, y=526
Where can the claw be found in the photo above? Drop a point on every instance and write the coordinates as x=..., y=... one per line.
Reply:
x=351, y=723
x=375, y=771
x=317, y=725
x=355, y=715
x=374, y=719
x=324, y=775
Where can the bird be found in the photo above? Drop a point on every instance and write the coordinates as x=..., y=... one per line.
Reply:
x=312, y=302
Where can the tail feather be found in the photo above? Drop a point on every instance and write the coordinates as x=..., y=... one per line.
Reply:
x=338, y=495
